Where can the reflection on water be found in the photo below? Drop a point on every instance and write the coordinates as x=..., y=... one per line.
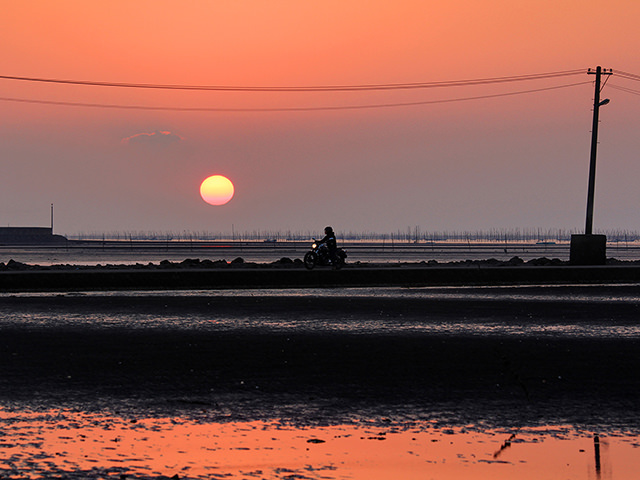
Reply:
x=37, y=444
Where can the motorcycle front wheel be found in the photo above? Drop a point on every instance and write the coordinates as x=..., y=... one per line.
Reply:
x=310, y=260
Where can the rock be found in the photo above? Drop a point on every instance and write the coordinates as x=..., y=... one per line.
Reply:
x=539, y=261
x=190, y=262
x=13, y=265
x=284, y=261
x=515, y=261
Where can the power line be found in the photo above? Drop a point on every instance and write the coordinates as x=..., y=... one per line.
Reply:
x=320, y=88
x=628, y=76
x=625, y=89
x=287, y=109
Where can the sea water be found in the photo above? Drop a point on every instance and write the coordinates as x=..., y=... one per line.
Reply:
x=378, y=252
x=79, y=445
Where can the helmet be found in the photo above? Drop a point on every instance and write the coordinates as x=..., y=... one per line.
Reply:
x=328, y=230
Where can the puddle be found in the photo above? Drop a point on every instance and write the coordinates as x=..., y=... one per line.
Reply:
x=71, y=444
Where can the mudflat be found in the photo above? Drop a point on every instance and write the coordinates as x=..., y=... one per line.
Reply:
x=256, y=357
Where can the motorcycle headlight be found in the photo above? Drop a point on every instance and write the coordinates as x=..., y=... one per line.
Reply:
x=314, y=246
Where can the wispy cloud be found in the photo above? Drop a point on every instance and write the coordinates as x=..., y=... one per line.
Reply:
x=159, y=137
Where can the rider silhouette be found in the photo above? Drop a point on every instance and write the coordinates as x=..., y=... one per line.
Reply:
x=329, y=240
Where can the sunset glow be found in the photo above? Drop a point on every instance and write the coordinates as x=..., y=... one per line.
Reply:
x=447, y=158
x=166, y=327
x=216, y=190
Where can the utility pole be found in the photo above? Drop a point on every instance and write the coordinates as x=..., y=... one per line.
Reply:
x=590, y=249
x=588, y=230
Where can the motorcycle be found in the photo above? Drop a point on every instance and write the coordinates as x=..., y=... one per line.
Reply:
x=319, y=255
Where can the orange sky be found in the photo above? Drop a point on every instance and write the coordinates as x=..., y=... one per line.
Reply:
x=281, y=42
x=502, y=163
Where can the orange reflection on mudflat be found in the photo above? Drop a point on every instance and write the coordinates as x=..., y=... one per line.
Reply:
x=87, y=445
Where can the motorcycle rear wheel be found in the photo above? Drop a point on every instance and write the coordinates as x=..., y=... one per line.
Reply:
x=310, y=260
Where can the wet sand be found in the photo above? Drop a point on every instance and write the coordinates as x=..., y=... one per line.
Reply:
x=316, y=377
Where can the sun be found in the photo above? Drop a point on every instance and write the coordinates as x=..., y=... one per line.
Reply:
x=216, y=190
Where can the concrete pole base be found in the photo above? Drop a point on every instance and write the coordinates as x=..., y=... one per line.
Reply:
x=588, y=250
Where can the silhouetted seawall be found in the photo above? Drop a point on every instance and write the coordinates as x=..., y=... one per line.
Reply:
x=122, y=278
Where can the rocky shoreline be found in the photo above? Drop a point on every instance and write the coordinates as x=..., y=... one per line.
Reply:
x=288, y=273
x=286, y=262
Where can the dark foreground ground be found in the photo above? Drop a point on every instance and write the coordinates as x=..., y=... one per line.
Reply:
x=310, y=376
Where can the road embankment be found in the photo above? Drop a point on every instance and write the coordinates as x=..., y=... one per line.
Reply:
x=256, y=276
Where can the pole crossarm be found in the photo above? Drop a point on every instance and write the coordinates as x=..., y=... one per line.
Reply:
x=603, y=71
